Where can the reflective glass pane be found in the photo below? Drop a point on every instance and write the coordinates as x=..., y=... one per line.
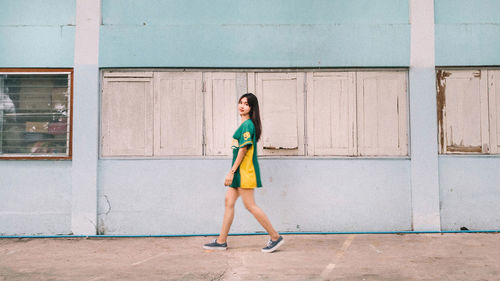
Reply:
x=34, y=114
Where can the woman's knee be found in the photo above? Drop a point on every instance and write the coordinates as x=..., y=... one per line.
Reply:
x=251, y=207
x=229, y=202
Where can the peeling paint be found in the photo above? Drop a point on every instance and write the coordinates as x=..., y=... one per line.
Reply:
x=441, y=76
x=459, y=148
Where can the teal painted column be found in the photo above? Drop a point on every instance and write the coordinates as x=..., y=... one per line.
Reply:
x=85, y=118
x=423, y=119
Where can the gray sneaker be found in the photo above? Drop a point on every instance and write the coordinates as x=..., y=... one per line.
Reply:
x=215, y=246
x=273, y=245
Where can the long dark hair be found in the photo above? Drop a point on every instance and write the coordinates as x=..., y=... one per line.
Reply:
x=254, y=113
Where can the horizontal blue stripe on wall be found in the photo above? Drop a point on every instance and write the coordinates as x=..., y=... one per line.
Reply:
x=37, y=12
x=467, y=32
x=37, y=46
x=254, y=46
x=37, y=33
x=164, y=12
x=467, y=11
x=467, y=44
x=254, y=33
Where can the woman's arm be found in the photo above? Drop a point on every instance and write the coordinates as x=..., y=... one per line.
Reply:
x=241, y=154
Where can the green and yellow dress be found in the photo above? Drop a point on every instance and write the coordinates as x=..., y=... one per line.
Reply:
x=248, y=173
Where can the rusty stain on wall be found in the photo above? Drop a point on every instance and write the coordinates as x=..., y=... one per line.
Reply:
x=441, y=76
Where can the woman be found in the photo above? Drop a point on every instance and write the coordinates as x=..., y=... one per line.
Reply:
x=244, y=176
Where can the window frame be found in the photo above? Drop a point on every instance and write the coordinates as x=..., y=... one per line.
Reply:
x=486, y=74
x=68, y=71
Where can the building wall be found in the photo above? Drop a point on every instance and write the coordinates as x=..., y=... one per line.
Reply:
x=467, y=32
x=469, y=185
x=187, y=196
x=36, y=195
x=300, y=195
x=470, y=192
x=37, y=33
x=179, y=196
x=260, y=33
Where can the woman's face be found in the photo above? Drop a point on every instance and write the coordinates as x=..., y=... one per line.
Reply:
x=243, y=107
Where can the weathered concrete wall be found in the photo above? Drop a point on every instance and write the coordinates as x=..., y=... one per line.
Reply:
x=260, y=33
x=467, y=32
x=187, y=196
x=35, y=197
x=470, y=192
x=37, y=33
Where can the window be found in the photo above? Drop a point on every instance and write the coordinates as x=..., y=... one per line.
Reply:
x=178, y=114
x=381, y=113
x=223, y=90
x=193, y=113
x=127, y=115
x=331, y=113
x=468, y=117
x=281, y=102
x=357, y=113
x=35, y=114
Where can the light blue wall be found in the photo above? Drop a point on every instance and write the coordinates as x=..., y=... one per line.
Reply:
x=35, y=197
x=187, y=196
x=261, y=33
x=470, y=192
x=467, y=32
x=37, y=33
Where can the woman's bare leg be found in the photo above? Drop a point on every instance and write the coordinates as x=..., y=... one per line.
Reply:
x=249, y=201
x=231, y=197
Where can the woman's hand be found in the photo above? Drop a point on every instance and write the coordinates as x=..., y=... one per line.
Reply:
x=229, y=179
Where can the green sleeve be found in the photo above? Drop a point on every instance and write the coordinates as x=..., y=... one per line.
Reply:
x=246, y=134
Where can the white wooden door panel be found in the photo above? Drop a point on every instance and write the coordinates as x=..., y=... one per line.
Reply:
x=331, y=113
x=178, y=114
x=281, y=101
x=222, y=92
x=381, y=113
x=466, y=112
x=127, y=117
x=494, y=109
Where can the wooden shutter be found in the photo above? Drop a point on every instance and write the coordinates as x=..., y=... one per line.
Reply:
x=281, y=101
x=178, y=114
x=222, y=92
x=381, y=113
x=127, y=117
x=331, y=113
x=494, y=109
x=462, y=111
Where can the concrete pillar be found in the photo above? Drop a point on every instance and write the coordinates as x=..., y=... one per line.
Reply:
x=423, y=119
x=85, y=118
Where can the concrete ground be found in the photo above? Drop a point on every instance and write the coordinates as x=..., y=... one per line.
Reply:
x=465, y=256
